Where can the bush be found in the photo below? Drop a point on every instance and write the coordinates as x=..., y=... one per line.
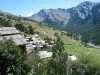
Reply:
x=11, y=60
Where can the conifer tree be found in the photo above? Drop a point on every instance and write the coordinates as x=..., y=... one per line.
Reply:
x=59, y=61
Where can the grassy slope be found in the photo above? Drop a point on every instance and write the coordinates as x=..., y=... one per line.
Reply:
x=76, y=48
x=43, y=30
x=71, y=45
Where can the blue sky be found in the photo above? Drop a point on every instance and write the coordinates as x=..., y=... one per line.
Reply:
x=28, y=7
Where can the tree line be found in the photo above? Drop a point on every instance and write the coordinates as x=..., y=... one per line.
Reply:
x=5, y=22
x=26, y=29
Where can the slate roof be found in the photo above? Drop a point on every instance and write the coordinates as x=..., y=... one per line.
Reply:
x=8, y=31
x=18, y=39
x=12, y=33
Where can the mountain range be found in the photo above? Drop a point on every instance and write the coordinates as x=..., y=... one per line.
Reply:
x=83, y=19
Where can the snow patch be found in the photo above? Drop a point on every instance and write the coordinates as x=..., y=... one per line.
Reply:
x=30, y=14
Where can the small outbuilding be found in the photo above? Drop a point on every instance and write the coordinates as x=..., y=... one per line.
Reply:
x=45, y=54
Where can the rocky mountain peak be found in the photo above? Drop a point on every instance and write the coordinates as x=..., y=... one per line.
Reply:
x=64, y=16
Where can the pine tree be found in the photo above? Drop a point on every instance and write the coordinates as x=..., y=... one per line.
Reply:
x=31, y=31
x=8, y=23
x=39, y=67
x=59, y=62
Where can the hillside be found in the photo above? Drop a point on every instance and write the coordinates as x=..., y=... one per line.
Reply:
x=83, y=19
x=7, y=19
x=71, y=45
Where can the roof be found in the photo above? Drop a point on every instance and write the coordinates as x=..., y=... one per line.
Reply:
x=8, y=31
x=18, y=39
x=45, y=54
x=72, y=58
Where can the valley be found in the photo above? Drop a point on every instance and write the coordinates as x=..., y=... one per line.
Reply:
x=50, y=40
x=71, y=45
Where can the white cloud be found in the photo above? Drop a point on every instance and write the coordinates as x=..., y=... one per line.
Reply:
x=30, y=14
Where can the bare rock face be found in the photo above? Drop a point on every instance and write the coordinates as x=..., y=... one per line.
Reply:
x=52, y=16
x=64, y=16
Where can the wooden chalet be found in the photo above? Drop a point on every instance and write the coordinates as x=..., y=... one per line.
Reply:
x=13, y=33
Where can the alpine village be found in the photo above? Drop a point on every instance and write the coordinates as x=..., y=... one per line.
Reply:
x=52, y=41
